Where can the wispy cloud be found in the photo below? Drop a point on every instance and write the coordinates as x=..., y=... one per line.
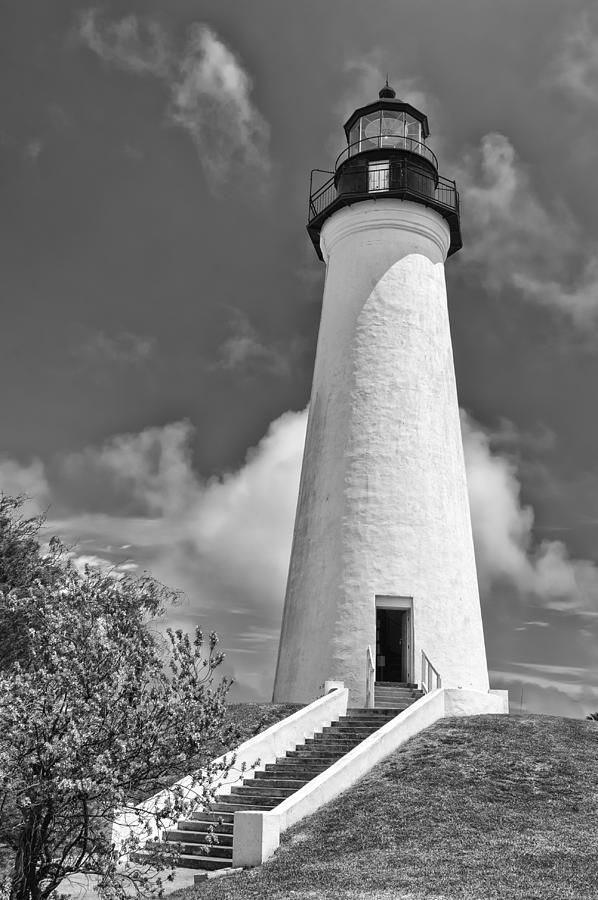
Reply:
x=211, y=100
x=33, y=150
x=135, y=44
x=513, y=239
x=534, y=689
x=26, y=479
x=575, y=68
x=209, y=89
x=244, y=350
x=121, y=348
x=508, y=229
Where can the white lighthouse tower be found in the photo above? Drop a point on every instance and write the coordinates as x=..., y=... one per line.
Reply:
x=382, y=552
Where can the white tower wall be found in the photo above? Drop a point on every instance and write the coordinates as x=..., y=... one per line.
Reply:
x=383, y=506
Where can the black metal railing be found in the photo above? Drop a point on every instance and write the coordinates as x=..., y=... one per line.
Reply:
x=387, y=142
x=321, y=198
x=401, y=177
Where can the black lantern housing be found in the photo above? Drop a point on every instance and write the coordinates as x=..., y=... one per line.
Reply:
x=386, y=156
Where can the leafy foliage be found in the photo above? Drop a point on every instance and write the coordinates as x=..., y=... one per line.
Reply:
x=96, y=709
x=593, y=717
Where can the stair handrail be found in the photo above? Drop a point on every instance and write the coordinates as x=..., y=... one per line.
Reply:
x=430, y=675
x=370, y=678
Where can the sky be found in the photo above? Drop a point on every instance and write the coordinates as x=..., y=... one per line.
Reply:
x=160, y=297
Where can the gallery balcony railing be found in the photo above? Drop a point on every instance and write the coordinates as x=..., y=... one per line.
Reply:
x=386, y=142
x=401, y=177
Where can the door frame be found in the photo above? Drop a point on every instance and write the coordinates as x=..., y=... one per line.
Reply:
x=405, y=604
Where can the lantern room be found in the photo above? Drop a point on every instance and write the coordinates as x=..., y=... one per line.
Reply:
x=386, y=157
x=387, y=123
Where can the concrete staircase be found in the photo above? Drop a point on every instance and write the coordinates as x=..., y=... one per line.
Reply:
x=396, y=695
x=205, y=840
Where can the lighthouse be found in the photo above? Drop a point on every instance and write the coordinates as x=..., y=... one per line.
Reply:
x=382, y=585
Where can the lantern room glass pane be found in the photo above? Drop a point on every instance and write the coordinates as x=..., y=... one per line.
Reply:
x=393, y=128
x=370, y=131
x=412, y=128
x=392, y=122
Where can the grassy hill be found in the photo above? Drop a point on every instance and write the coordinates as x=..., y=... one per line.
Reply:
x=487, y=808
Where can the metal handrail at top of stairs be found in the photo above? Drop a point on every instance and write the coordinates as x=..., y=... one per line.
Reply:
x=370, y=678
x=430, y=676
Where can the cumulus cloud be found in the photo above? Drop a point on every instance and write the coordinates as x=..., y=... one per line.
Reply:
x=136, y=503
x=148, y=474
x=209, y=90
x=503, y=534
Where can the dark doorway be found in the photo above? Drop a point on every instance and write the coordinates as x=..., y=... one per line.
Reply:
x=393, y=644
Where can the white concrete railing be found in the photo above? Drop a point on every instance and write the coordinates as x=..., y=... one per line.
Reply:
x=430, y=677
x=370, y=678
x=256, y=833
x=256, y=752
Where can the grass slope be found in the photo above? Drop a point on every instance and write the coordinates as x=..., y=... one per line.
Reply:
x=477, y=809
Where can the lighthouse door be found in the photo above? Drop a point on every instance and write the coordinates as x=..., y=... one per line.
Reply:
x=393, y=645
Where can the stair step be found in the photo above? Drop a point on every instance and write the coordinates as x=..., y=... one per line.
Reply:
x=263, y=784
x=211, y=816
x=284, y=779
x=399, y=695
x=294, y=761
x=329, y=744
x=398, y=707
x=407, y=698
x=299, y=769
x=406, y=692
x=191, y=861
x=267, y=791
x=202, y=825
x=239, y=805
x=347, y=731
x=370, y=721
x=184, y=836
x=397, y=704
x=215, y=850
x=324, y=757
